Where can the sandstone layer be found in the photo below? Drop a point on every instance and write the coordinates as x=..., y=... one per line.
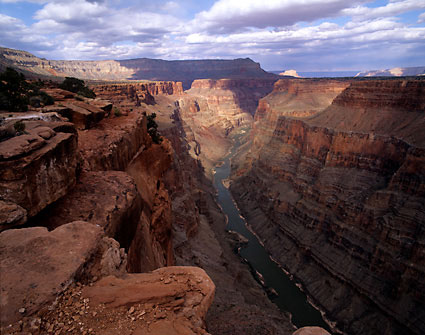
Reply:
x=199, y=237
x=212, y=109
x=135, y=69
x=340, y=202
x=38, y=167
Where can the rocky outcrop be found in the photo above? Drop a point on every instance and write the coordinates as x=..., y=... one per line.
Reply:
x=172, y=300
x=137, y=93
x=311, y=331
x=343, y=210
x=50, y=261
x=38, y=167
x=387, y=107
x=60, y=292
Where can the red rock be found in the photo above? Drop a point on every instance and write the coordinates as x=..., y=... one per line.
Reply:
x=38, y=168
x=339, y=197
x=189, y=288
x=11, y=215
x=36, y=265
x=83, y=115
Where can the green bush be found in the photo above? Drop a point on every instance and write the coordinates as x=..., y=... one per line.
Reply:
x=78, y=86
x=16, y=93
x=13, y=91
x=19, y=127
x=117, y=112
x=153, y=129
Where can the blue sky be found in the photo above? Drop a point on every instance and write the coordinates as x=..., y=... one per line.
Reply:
x=305, y=35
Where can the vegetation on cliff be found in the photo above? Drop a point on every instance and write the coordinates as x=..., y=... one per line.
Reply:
x=77, y=86
x=16, y=93
x=153, y=129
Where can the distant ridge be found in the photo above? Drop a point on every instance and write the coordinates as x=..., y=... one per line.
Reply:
x=394, y=72
x=135, y=69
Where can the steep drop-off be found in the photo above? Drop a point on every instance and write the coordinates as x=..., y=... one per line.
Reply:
x=212, y=109
x=199, y=237
x=338, y=198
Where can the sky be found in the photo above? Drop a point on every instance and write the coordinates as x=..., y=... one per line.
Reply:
x=305, y=35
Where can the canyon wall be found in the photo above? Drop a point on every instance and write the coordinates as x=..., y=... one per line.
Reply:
x=212, y=109
x=337, y=196
x=185, y=71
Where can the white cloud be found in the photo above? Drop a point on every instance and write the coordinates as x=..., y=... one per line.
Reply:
x=232, y=15
x=266, y=31
x=391, y=9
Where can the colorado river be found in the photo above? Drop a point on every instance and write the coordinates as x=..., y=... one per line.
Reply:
x=289, y=297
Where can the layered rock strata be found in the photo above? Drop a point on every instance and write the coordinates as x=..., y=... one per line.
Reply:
x=135, y=69
x=38, y=167
x=212, y=109
x=343, y=210
x=199, y=238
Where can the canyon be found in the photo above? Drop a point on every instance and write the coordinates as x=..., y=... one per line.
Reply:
x=336, y=194
x=185, y=71
x=329, y=175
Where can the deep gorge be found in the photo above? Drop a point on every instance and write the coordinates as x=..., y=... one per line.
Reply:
x=330, y=178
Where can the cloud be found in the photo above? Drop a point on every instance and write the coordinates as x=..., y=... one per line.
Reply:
x=287, y=32
x=391, y=9
x=227, y=16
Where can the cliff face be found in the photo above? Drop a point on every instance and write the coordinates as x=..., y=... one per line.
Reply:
x=344, y=210
x=211, y=109
x=112, y=181
x=136, y=69
x=137, y=93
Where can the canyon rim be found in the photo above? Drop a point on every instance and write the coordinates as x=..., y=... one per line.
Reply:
x=209, y=196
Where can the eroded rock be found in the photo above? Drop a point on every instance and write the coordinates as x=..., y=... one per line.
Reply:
x=172, y=300
x=37, y=265
x=39, y=167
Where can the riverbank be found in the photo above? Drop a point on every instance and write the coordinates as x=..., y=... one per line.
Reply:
x=282, y=290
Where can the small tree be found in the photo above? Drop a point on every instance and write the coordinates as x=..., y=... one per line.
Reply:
x=16, y=93
x=13, y=91
x=78, y=86
x=153, y=129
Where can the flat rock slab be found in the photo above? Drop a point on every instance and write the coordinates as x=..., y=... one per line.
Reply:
x=36, y=265
x=171, y=300
x=108, y=199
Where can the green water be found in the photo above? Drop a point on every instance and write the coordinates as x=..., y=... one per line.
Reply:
x=290, y=297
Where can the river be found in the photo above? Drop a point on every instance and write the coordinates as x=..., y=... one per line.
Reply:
x=290, y=298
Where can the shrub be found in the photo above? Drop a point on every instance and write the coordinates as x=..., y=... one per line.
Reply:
x=117, y=112
x=153, y=129
x=78, y=86
x=16, y=94
x=13, y=91
x=19, y=127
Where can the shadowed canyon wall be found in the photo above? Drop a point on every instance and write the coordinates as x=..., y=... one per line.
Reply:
x=337, y=195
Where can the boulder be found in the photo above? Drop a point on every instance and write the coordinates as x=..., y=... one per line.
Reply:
x=11, y=215
x=36, y=265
